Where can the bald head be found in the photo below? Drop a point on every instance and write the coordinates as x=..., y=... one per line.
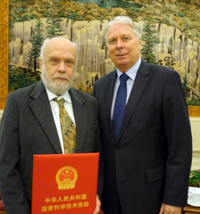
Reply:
x=53, y=42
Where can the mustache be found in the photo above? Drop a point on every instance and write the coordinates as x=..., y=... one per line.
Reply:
x=60, y=76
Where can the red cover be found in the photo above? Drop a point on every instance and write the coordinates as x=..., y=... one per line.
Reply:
x=1, y=206
x=65, y=183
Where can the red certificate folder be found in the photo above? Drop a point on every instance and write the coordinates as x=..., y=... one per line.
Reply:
x=65, y=183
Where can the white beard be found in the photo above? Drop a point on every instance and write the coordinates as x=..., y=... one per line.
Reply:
x=57, y=87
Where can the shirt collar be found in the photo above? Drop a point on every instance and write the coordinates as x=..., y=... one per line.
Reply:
x=132, y=71
x=51, y=95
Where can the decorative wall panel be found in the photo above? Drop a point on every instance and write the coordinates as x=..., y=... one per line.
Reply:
x=3, y=52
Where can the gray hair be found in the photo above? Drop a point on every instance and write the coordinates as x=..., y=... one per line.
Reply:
x=122, y=20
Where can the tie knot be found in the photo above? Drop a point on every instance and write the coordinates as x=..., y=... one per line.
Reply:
x=123, y=78
x=60, y=102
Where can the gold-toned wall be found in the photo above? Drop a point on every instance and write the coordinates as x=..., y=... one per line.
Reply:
x=3, y=51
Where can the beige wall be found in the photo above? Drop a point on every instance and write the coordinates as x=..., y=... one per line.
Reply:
x=1, y=112
x=195, y=125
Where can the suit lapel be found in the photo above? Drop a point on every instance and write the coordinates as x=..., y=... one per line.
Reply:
x=81, y=115
x=139, y=85
x=42, y=111
x=109, y=88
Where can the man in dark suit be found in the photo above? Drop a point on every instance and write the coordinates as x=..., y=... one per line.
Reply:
x=31, y=125
x=147, y=160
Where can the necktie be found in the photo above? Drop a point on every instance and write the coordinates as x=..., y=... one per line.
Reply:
x=120, y=104
x=68, y=128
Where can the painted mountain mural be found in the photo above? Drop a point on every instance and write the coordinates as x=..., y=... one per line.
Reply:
x=172, y=26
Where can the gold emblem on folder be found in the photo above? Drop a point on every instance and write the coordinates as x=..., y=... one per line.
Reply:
x=66, y=177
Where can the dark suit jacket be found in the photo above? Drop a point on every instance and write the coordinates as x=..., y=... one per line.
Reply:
x=150, y=161
x=28, y=128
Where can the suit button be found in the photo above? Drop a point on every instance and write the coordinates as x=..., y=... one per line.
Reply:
x=116, y=148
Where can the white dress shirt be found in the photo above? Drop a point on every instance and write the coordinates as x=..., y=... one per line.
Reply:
x=55, y=111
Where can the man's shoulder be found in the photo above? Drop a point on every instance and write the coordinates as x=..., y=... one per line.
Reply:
x=161, y=71
x=82, y=94
x=23, y=90
x=108, y=77
x=158, y=67
x=23, y=94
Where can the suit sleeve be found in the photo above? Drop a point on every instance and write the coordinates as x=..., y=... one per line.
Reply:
x=98, y=148
x=11, y=185
x=178, y=133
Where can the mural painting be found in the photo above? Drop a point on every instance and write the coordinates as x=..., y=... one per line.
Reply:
x=170, y=32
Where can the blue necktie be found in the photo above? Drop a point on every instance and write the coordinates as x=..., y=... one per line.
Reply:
x=120, y=104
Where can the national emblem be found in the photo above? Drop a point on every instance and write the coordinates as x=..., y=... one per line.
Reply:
x=66, y=177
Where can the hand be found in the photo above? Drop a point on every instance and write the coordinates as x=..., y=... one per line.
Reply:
x=168, y=209
x=98, y=205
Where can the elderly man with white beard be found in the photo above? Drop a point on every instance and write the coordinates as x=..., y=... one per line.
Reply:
x=31, y=125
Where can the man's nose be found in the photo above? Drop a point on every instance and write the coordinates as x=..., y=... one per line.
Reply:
x=62, y=67
x=119, y=44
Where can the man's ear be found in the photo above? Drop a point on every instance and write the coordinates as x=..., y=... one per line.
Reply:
x=140, y=43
